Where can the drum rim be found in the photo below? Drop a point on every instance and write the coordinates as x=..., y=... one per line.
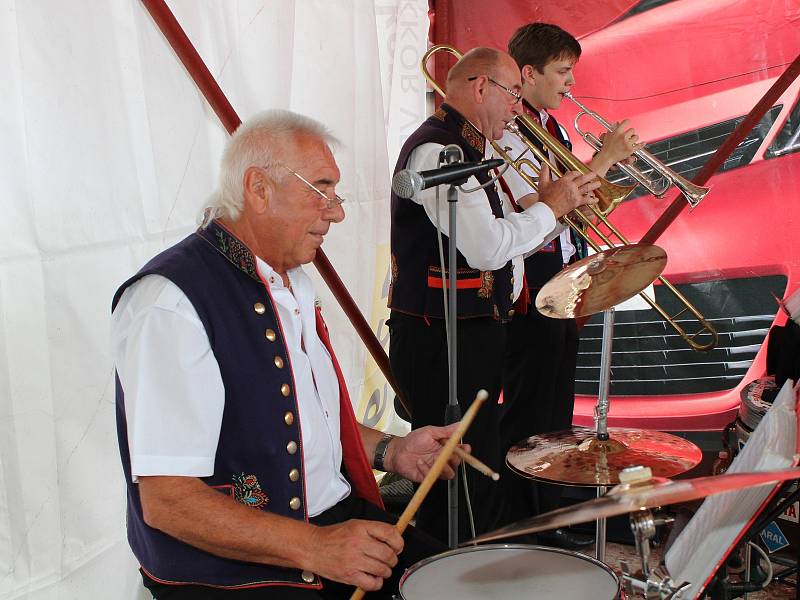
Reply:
x=426, y=561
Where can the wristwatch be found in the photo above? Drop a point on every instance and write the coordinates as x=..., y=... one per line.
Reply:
x=380, y=452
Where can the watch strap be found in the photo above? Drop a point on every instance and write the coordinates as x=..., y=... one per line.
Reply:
x=380, y=452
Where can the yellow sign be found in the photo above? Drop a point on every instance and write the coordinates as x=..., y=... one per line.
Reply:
x=376, y=405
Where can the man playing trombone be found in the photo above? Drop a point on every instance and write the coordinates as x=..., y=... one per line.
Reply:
x=539, y=372
x=483, y=95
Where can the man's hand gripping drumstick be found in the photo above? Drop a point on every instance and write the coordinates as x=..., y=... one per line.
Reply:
x=436, y=469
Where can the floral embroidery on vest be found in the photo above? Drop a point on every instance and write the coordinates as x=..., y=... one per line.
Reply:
x=393, y=277
x=487, y=285
x=248, y=491
x=236, y=252
x=231, y=247
x=473, y=137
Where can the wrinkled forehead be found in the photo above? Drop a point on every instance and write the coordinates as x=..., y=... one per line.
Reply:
x=312, y=157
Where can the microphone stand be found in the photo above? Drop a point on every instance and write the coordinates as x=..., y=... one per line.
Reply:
x=453, y=410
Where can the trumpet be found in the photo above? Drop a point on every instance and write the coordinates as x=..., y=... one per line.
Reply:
x=609, y=196
x=657, y=185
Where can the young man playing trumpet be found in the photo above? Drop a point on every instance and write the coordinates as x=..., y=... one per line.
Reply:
x=539, y=373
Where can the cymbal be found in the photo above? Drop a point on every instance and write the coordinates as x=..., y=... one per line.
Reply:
x=632, y=497
x=576, y=457
x=598, y=282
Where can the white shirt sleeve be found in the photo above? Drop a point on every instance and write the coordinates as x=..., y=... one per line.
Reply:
x=174, y=395
x=519, y=187
x=486, y=241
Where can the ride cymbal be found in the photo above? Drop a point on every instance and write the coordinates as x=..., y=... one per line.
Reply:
x=576, y=457
x=598, y=282
x=631, y=497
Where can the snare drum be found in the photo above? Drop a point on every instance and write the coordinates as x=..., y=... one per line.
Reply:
x=509, y=572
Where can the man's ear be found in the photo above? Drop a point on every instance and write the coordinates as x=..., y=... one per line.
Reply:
x=528, y=73
x=479, y=88
x=258, y=189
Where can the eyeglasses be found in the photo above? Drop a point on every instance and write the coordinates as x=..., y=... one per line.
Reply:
x=513, y=93
x=329, y=202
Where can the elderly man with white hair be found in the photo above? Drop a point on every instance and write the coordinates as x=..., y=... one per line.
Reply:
x=247, y=474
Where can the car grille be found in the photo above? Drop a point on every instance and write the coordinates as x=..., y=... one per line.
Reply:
x=650, y=359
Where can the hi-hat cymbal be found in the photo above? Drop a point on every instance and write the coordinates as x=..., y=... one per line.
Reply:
x=576, y=457
x=598, y=282
x=627, y=498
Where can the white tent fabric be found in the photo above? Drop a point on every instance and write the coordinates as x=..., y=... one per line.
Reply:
x=108, y=151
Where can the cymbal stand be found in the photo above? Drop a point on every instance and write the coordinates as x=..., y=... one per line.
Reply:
x=652, y=585
x=601, y=417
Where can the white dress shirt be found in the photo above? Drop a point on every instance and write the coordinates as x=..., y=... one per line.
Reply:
x=487, y=242
x=520, y=188
x=175, y=396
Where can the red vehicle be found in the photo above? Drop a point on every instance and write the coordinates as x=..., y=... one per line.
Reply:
x=685, y=73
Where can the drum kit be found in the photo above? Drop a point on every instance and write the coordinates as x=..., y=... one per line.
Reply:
x=512, y=571
x=638, y=463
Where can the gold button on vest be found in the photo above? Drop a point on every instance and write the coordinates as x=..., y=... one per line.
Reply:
x=288, y=418
x=259, y=308
x=291, y=447
x=307, y=576
x=270, y=335
x=294, y=503
x=279, y=362
x=294, y=475
x=286, y=390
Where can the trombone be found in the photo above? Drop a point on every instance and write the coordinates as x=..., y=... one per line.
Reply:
x=609, y=196
x=658, y=185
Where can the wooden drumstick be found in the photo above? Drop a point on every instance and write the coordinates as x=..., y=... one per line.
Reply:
x=476, y=464
x=436, y=470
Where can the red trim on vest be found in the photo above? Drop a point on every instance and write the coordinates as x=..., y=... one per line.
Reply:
x=246, y=586
x=461, y=284
x=294, y=386
x=353, y=455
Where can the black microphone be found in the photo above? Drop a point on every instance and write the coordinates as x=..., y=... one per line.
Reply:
x=407, y=183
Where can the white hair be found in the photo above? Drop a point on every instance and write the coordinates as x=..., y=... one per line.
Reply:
x=259, y=142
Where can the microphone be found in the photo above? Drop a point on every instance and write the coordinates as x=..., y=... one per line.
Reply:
x=407, y=183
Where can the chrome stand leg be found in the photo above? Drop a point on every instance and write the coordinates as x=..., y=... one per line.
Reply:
x=601, y=416
x=600, y=538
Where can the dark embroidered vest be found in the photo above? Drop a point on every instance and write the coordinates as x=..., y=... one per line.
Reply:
x=259, y=459
x=417, y=278
x=544, y=264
